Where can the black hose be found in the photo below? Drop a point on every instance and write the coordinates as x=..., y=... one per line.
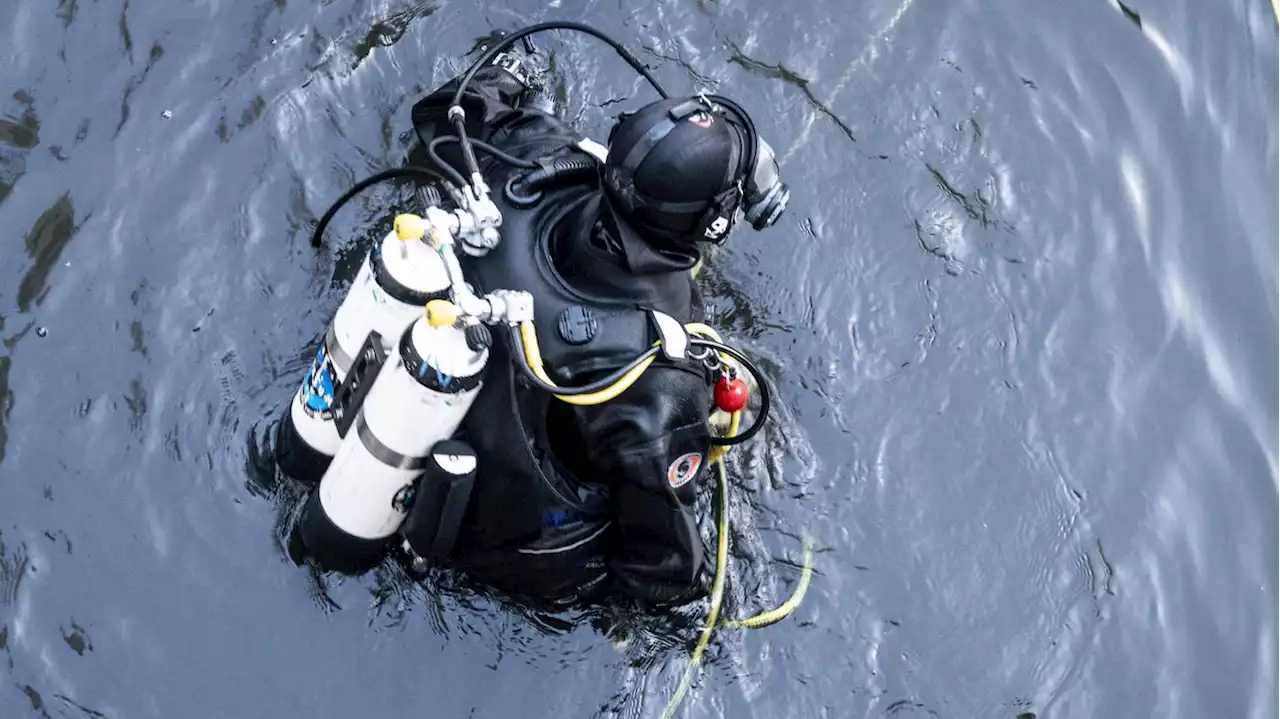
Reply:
x=525, y=190
x=449, y=170
x=490, y=149
x=558, y=168
x=412, y=171
x=511, y=39
x=517, y=349
x=763, y=413
x=468, y=155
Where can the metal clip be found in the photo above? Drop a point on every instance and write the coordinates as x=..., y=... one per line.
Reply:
x=671, y=334
x=512, y=64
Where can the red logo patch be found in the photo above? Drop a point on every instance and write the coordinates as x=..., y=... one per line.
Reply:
x=683, y=469
x=701, y=119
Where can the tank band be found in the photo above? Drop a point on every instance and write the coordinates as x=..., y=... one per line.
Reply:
x=382, y=452
x=431, y=377
x=393, y=287
x=341, y=360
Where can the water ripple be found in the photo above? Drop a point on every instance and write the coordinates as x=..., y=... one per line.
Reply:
x=1021, y=333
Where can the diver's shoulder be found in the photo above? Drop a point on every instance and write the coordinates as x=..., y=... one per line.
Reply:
x=535, y=127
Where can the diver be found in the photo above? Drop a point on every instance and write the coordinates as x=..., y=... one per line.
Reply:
x=575, y=501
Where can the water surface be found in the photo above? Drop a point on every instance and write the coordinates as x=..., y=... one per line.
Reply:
x=1021, y=319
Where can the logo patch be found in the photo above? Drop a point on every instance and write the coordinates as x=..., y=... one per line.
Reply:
x=716, y=229
x=683, y=469
x=701, y=119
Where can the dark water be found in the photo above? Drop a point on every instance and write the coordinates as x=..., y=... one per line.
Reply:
x=1021, y=319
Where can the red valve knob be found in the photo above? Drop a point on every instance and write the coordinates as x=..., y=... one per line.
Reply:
x=731, y=394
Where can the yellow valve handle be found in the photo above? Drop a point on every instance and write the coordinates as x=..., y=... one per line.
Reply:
x=441, y=313
x=410, y=227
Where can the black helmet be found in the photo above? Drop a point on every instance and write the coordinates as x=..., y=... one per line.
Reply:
x=680, y=169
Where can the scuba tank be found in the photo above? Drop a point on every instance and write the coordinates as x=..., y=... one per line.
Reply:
x=395, y=281
x=416, y=403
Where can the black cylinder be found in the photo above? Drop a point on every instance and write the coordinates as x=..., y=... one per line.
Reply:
x=295, y=458
x=316, y=537
x=440, y=500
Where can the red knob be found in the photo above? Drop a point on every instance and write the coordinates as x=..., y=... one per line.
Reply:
x=731, y=394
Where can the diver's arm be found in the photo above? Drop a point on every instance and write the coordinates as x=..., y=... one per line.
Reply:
x=637, y=442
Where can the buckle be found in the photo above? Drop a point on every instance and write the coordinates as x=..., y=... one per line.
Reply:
x=671, y=335
x=512, y=64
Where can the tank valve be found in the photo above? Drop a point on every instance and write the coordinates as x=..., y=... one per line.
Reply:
x=478, y=337
x=410, y=227
x=441, y=313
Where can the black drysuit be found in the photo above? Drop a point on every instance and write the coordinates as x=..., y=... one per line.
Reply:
x=576, y=498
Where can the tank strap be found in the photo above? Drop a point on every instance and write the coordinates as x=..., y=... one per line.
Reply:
x=339, y=356
x=382, y=452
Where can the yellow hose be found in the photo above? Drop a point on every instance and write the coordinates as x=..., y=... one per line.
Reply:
x=533, y=355
x=763, y=619
x=717, y=591
x=702, y=329
x=773, y=616
x=720, y=451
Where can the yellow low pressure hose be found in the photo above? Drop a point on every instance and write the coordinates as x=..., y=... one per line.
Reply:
x=533, y=355
x=702, y=329
x=763, y=619
x=773, y=616
x=717, y=591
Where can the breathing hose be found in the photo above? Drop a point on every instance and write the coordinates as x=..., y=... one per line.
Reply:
x=525, y=190
x=454, y=175
x=455, y=110
x=490, y=149
x=393, y=173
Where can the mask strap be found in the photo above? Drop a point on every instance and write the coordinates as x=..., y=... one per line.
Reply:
x=748, y=128
x=655, y=133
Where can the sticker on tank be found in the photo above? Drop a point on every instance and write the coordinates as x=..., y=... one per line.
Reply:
x=317, y=389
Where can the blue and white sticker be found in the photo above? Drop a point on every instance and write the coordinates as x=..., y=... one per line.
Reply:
x=318, y=387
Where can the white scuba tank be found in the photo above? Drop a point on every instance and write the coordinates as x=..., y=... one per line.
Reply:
x=419, y=398
x=397, y=279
